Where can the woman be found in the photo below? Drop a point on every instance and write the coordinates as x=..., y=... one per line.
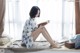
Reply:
x=31, y=31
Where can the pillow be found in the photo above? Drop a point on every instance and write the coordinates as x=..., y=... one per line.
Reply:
x=77, y=42
x=4, y=40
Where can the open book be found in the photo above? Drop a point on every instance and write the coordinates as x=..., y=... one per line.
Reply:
x=43, y=23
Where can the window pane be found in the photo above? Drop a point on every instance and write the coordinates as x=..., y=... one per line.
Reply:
x=60, y=13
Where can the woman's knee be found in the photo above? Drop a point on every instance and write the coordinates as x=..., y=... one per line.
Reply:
x=41, y=27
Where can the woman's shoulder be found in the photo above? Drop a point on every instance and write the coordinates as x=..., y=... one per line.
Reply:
x=30, y=21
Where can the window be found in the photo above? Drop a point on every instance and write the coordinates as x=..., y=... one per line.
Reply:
x=61, y=14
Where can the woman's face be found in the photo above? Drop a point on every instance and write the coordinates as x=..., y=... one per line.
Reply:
x=37, y=15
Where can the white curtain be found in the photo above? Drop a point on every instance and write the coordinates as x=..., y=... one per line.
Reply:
x=61, y=14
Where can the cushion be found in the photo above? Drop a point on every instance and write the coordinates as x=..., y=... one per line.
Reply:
x=76, y=40
x=4, y=40
x=16, y=46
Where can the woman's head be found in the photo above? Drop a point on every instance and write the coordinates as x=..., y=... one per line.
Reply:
x=34, y=12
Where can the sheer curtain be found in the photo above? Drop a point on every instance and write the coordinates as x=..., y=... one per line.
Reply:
x=60, y=13
x=69, y=18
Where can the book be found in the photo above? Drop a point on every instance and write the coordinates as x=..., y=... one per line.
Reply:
x=43, y=23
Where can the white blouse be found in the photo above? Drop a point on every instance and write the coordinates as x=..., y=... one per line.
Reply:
x=30, y=25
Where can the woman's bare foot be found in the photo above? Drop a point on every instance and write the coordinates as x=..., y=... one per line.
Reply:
x=55, y=46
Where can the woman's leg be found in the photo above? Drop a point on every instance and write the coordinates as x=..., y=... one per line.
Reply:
x=36, y=33
x=47, y=36
x=43, y=30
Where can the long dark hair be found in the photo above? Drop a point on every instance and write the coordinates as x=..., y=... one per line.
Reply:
x=34, y=11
